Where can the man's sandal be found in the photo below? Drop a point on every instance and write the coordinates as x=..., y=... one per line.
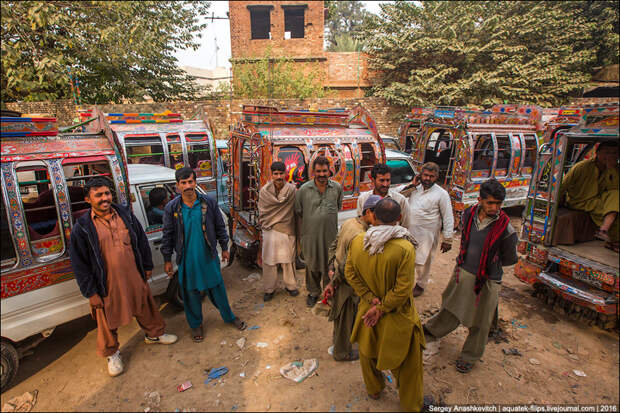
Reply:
x=197, y=334
x=239, y=324
x=602, y=235
x=463, y=366
x=351, y=356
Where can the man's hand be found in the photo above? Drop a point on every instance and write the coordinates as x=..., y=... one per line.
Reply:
x=148, y=273
x=225, y=256
x=95, y=301
x=446, y=246
x=375, y=301
x=168, y=269
x=416, y=180
x=328, y=292
x=331, y=273
x=372, y=316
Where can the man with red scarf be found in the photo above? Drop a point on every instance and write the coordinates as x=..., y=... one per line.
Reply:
x=488, y=242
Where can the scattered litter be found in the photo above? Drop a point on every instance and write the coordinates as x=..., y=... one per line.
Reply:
x=579, y=373
x=23, y=403
x=234, y=407
x=252, y=277
x=259, y=306
x=332, y=408
x=241, y=343
x=216, y=373
x=267, y=366
x=388, y=376
x=511, y=352
x=298, y=371
x=517, y=324
x=242, y=374
x=534, y=361
x=184, y=386
x=330, y=350
x=147, y=409
x=570, y=350
x=254, y=328
x=152, y=399
x=498, y=335
x=181, y=363
x=557, y=345
x=510, y=370
x=261, y=344
x=223, y=343
x=573, y=356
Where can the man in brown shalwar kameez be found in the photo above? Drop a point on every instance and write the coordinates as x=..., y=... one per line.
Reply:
x=276, y=215
x=111, y=260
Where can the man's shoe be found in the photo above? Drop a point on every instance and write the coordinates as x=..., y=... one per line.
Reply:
x=292, y=293
x=418, y=291
x=267, y=297
x=115, y=364
x=163, y=339
x=311, y=300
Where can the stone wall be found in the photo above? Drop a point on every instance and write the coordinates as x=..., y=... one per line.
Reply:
x=222, y=113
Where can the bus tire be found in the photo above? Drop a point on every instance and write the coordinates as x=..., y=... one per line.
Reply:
x=173, y=293
x=10, y=363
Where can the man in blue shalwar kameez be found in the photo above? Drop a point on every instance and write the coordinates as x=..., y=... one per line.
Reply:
x=192, y=227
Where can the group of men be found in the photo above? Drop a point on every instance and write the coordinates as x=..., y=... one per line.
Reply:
x=367, y=271
x=373, y=267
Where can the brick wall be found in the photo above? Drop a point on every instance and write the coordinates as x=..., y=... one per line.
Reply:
x=223, y=113
x=242, y=44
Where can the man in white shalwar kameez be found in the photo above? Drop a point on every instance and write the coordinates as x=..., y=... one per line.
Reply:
x=276, y=215
x=430, y=210
x=381, y=178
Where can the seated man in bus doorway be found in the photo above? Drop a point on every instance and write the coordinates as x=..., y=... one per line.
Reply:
x=111, y=260
x=158, y=198
x=276, y=215
x=193, y=226
x=317, y=203
x=591, y=185
x=343, y=305
x=430, y=212
x=488, y=242
x=381, y=178
x=380, y=268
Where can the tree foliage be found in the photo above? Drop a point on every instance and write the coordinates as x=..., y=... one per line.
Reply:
x=119, y=50
x=460, y=53
x=276, y=77
x=344, y=20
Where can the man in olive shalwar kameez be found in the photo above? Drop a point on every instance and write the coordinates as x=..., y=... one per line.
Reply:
x=488, y=242
x=380, y=267
x=343, y=305
x=592, y=186
x=317, y=203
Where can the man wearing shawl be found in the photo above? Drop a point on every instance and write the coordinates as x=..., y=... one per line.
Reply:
x=276, y=215
x=344, y=302
x=488, y=242
x=380, y=268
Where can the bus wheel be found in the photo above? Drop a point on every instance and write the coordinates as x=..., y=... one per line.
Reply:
x=10, y=363
x=173, y=292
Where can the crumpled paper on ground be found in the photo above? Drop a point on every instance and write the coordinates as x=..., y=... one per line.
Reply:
x=23, y=403
x=298, y=371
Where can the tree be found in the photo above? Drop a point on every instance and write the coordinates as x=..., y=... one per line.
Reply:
x=344, y=20
x=119, y=50
x=277, y=78
x=460, y=53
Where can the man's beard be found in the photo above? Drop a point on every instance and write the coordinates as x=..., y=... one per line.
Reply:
x=427, y=184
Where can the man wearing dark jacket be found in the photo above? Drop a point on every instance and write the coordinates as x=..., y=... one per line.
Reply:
x=488, y=242
x=111, y=260
x=192, y=227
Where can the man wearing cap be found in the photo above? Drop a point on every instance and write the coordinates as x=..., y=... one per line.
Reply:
x=343, y=299
x=381, y=178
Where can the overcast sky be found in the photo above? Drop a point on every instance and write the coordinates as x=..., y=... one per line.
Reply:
x=218, y=32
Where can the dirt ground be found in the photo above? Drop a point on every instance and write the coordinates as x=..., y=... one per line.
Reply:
x=69, y=376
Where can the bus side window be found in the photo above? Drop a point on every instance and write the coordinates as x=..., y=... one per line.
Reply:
x=160, y=194
x=175, y=151
x=483, y=156
x=9, y=257
x=401, y=171
x=199, y=157
x=531, y=147
x=368, y=160
x=77, y=172
x=145, y=150
x=42, y=220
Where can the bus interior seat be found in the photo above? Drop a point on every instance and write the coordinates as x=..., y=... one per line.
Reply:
x=572, y=226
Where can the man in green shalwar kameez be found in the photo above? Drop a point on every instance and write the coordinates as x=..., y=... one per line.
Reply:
x=591, y=185
x=380, y=268
x=317, y=203
x=344, y=302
